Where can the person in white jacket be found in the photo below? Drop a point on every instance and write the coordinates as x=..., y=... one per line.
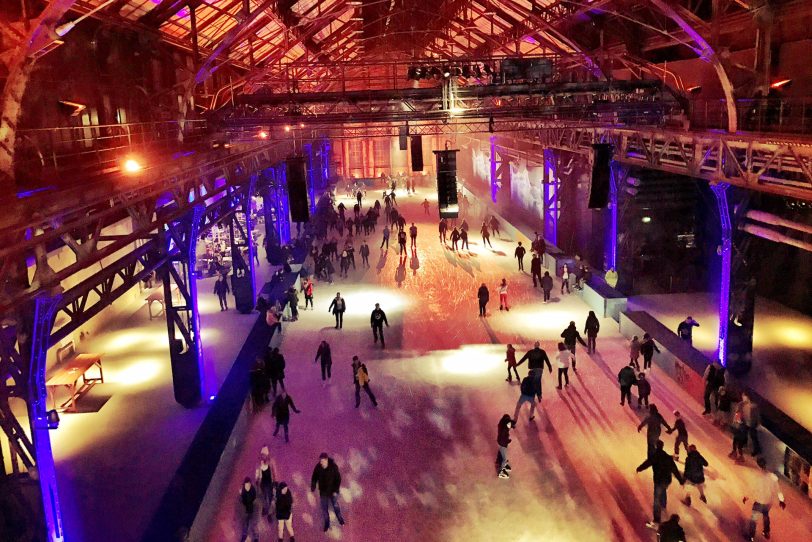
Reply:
x=764, y=490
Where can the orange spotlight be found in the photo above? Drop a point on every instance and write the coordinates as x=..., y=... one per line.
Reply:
x=287, y=128
x=131, y=165
x=301, y=125
x=263, y=134
x=781, y=83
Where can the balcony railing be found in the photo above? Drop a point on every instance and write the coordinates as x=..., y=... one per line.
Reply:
x=768, y=115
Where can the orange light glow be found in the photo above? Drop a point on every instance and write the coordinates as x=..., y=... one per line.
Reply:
x=287, y=128
x=781, y=83
x=132, y=165
x=263, y=134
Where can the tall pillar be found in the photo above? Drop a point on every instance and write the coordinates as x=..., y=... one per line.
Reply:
x=617, y=179
x=43, y=320
x=550, y=187
x=189, y=375
x=725, y=250
x=243, y=284
x=494, y=180
x=312, y=177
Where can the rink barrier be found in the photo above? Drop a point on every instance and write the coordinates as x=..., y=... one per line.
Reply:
x=603, y=299
x=783, y=440
x=205, y=468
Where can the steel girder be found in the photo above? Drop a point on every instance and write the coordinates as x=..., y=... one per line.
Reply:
x=243, y=285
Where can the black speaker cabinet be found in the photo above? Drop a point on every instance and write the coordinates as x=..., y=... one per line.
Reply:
x=297, y=189
x=447, y=183
x=601, y=173
x=417, y=153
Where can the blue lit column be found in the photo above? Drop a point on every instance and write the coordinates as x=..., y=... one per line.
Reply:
x=44, y=311
x=550, y=193
x=281, y=203
x=617, y=177
x=726, y=249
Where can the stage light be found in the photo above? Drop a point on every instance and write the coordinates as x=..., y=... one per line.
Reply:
x=287, y=128
x=262, y=134
x=301, y=125
x=131, y=165
x=645, y=219
x=783, y=83
x=446, y=71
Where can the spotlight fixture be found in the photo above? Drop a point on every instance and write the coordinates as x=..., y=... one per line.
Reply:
x=262, y=134
x=132, y=166
x=301, y=125
x=446, y=71
x=645, y=219
x=287, y=128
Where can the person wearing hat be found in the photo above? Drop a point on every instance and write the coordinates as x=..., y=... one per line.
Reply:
x=284, y=511
x=264, y=478
x=327, y=478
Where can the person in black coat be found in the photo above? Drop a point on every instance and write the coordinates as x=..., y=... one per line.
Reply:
x=377, y=320
x=627, y=378
x=248, y=495
x=653, y=423
x=221, y=289
x=503, y=439
x=338, y=307
x=519, y=253
x=571, y=337
x=663, y=468
x=275, y=368
x=647, y=348
x=284, y=510
x=694, y=474
x=671, y=530
x=547, y=285
x=535, y=270
x=326, y=357
x=591, y=329
x=455, y=239
x=281, y=412
x=327, y=478
x=483, y=296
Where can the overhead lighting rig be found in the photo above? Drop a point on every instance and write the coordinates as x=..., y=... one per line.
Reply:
x=444, y=71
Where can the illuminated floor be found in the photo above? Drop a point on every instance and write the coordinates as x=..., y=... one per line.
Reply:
x=114, y=465
x=782, y=346
x=420, y=467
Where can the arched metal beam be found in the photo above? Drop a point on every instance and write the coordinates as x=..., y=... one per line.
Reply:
x=705, y=52
x=20, y=66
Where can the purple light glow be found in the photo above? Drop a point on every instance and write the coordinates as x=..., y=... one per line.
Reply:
x=494, y=186
x=726, y=245
x=611, y=240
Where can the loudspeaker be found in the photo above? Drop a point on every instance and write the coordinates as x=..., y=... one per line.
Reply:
x=403, y=137
x=297, y=189
x=417, y=153
x=447, y=183
x=601, y=173
x=186, y=380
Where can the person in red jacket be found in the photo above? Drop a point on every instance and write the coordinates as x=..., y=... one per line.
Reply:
x=307, y=289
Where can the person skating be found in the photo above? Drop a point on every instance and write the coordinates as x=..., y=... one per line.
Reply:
x=426, y=205
x=547, y=286
x=344, y=263
x=222, y=291
x=663, y=469
x=455, y=238
x=284, y=510
x=495, y=225
x=385, y=240
x=307, y=289
x=264, y=478
x=682, y=434
x=338, y=307
x=519, y=254
x=536, y=358
x=483, y=296
x=282, y=406
x=626, y=378
x=359, y=197
x=535, y=270
x=486, y=235
x=377, y=320
x=503, y=439
x=260, y=384
x=724, y=406
x=364, y=251
x=653, y=423
x=293, y=303
x=327, y=478
x=361, y=380
x=591, y=328
x=571, y=338
x=413, y=235
x=248, y=496
x=647, y=348
x=529, y=389
x=324, y=355
x=751, y=416
x=643, y=389
x=565, y=279
x=634, y=352
x=464, y=240
x=402, y=242
x=275, y=368
x=443, y=228
x=510, y=359
x=671, y=530
x=694, y=474
x=764, y=492
x=709, y=378
x=564, y=358
x=685, y=329
x=739, y=438
x=503, y=300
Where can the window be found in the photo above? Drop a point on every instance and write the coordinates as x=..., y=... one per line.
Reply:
x=381, y=148
x=355, y=151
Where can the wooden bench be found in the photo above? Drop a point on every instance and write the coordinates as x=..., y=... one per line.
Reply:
x=73, y=368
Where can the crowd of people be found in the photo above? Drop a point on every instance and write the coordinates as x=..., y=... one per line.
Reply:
x=332, y=222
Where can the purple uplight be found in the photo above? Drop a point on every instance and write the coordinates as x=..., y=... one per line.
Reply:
x=184, y=13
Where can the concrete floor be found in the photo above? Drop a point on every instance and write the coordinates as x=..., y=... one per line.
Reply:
x=782, y=345
x=420, y=466
x=114, y=465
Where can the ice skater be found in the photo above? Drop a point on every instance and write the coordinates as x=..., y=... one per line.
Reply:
x=327, y=478
x=443, y=228
x=547, y=286
x=634, y=352
x=275, y=368
x=284, y=510
x=536, y=357
x=222, y=291
x=510, y=359
x=565, y=279
x=338, y=307
x=503, y=439
x=647, y=348
x=682, y=434
x=364, y=251
x=385, y=240
x=591, y=329
x=643, y=389
x=626, y=378
x=377, y=320
x=653, y=423
x=694, y=475
x=281, y=412
x=324, y=355
x=663, y=468
x=361, y=380
x=483, y=296
x=685, y=329
x=307, y=290
x=535, y=270
x=425, y=205
x=564, y=358
x=264, y=478
x=413, y=235
x=402, y=243
x=519, y=254
x=486, y=235
x=455, y=239
x=764, y=491
x=528, y=390
x=503, y=291
x=571, y=338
